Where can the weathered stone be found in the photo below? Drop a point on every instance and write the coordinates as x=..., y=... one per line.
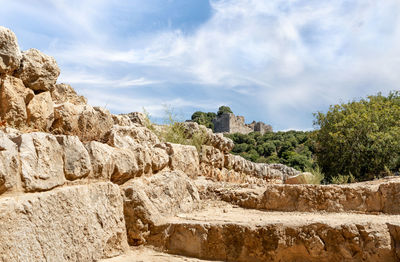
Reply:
x=102, y=160
x=76, y=158
x=38, y=71
x=62, y=93
x=10, y=55
x=212, y=156
x=9, y=165
x=86, y=122
x=184, y=158
x=160, y=158
x=40, y=111
x=127, y=165
x=303, y=178
x=148, y=200
x=42, y=166
x=131, y=136
x=78, y=223
x=14, y=97
x=138, y=118
x=216, y=140
x=122, y=120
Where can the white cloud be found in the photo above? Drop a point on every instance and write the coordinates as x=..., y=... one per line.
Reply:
x=284, y=56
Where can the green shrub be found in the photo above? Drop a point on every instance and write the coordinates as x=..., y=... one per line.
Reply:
x=359, y=138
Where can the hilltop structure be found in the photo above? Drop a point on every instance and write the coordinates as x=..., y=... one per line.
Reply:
x=229, y=123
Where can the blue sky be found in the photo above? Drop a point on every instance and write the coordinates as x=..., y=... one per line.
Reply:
x=276, y=61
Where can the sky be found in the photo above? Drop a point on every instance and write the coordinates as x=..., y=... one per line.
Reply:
x=276, y=61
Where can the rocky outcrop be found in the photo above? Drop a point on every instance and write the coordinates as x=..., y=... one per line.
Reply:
x=86, y=122
x=14, y=97
x=41, y=161
x=40, y=112
x=9, y=164
x=10, y=55
x=148, y=201
x=38, y=71
x=78, y=223
x=62, y=93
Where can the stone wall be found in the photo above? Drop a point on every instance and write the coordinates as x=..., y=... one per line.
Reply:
x=229, y=123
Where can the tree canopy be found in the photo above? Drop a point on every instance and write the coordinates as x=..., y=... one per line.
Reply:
x=360, y=138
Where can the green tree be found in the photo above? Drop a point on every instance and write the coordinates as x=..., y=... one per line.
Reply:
x=224, y=109
x=204, y=119
x=361, y=138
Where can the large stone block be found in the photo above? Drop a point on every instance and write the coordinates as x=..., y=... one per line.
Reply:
x=38, y=71
x=40, y=111
x=62, y=93
x=78, y=223
x=42, y=165
x=76, y=158
x=184, y=158
x=10, y=55
x=9, y=164
x=14, y=97
x=149, y=200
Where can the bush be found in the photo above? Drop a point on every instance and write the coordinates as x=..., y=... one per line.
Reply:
x=359, y=138
x=224, y=109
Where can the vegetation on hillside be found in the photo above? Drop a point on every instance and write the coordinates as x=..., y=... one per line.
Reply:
x=206, y=119
x=292, y=148
x=359, y=140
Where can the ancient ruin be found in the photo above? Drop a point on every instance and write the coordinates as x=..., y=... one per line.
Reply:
x=78, y=183
x=229, y=123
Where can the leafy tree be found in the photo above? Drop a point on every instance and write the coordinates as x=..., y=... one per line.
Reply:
x=203, y=118
x=361, y=138
x=224, y=109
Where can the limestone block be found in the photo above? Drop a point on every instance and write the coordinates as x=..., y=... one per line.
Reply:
x=77, y=223
x=40, y=111
x=42, y=166
x=76, y=158
x=131, y=136
x=102, y=160
x=148, y=200
x=86, y=122
x=10, y=55
x=14, y=97
x=62, y=93
x=184, y=158
x=9, y=164
x=38, y=71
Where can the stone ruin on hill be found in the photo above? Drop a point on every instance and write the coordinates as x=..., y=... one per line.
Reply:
x=229, y=123
x=78, y=183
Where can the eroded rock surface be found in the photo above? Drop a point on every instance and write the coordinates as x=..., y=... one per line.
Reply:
x=147, y=201
x=10, y=55
x=62, y=93
x=38, y=71
x=42, y=165
x=9, y=164
x=79, y=223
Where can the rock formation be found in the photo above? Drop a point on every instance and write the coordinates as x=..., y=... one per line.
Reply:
x=229, y=123
x=78, y=183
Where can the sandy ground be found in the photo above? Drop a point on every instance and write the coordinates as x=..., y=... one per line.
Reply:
x=222, y=212
x=148, y=254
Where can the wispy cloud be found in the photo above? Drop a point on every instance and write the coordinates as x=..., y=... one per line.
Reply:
x=276, y=61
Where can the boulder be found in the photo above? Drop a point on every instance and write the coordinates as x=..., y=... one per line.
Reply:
x=76, y=223
x=131, y=136
x=122, y=120
x=184, y=158
x=149, y=200
x=126, y=165
x=76, y=158
x=42, y=165
x=10, y=55
x=14, y=97
x=138, y=118
x=86, y=122
x=160, y=158
x=40, y=111
x=38, y=71
x=62, y=93
x=102, y=159
x=212, y=156
x=9, y=164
